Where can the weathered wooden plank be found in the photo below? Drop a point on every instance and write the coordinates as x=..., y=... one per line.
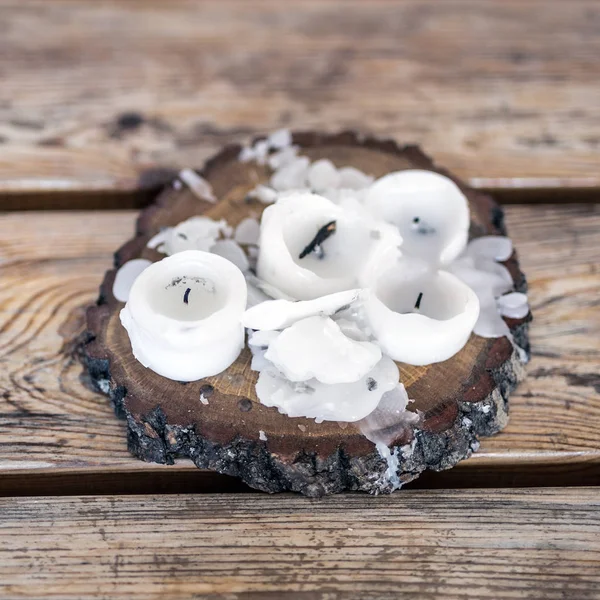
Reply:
x=502, y=92
x=51, y=265
x=420, y=544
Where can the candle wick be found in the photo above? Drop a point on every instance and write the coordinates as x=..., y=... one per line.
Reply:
x=187, y=295
x=315, y=245
x=418, y=303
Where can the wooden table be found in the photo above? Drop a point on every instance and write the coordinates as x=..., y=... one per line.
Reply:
x=100, y=101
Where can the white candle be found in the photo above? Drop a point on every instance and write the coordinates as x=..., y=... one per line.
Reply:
x=353, y=252
x=183, y=315
x=429, y=209
x=420, y=316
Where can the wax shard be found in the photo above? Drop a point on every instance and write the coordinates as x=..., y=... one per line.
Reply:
x=322, y=175
x=126, y=276
x=513, y=305
x=233, y=252
x=196, y=233
x=247, y=232
x=279, y=314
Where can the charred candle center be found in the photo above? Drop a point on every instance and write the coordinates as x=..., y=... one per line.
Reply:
x=371, y=384
x=421, y=227
x=187, y=295
x=418, y=302
x=315, y=245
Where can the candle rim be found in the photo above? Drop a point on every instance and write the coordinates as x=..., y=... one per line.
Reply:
x=228, y=273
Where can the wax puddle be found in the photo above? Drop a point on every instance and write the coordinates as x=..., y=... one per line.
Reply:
x=393, y=464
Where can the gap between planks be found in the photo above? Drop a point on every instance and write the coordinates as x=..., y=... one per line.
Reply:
x=111, y=199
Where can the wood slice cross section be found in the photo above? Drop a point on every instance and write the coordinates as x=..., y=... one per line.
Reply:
x=459, y=400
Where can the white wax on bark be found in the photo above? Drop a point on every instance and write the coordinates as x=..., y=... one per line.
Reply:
x=348, y=258
x=183, y=315
x=344, y=402
x=429, y=209
x=420, y=316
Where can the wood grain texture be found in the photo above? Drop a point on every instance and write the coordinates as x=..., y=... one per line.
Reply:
x=50, y=264
x=492, y=544
x=96, y=95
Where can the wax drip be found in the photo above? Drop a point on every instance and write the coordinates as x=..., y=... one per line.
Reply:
x=315, y=245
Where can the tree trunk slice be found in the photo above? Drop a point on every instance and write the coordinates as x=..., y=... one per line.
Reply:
x=460, y=399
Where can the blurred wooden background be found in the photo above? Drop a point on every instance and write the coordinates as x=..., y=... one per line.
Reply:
x=96, y=95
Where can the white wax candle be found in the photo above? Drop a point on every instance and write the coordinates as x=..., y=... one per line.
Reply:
x=183, y=315
x=348, y=258
x=429, y=209
x=420, y=316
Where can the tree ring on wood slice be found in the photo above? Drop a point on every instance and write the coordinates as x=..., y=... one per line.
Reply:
x=459, y=400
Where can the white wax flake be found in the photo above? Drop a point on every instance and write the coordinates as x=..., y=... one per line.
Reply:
x=279, y=314
x=494, y=247
x=264, y=194
x=323, y=175
x=233, y=252
x=283, y=157
x=126, y=275
x=280, y=139
x=316, y=348
x=270, y=290
x=255, y=294
x=262, y=436
x=513, y=305
x=293, y=175
x=354, y=179
x=247, y=232
x=347, y=402
x=259, y=152
x=197, y=184
x=302, y=428
x=203, y=399
x=493, y=284
x=196, y=233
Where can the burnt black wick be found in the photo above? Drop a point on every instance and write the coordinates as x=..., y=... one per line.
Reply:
x=315, y=245
x=418, y=302
x=182, y=236
x=187, y=295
